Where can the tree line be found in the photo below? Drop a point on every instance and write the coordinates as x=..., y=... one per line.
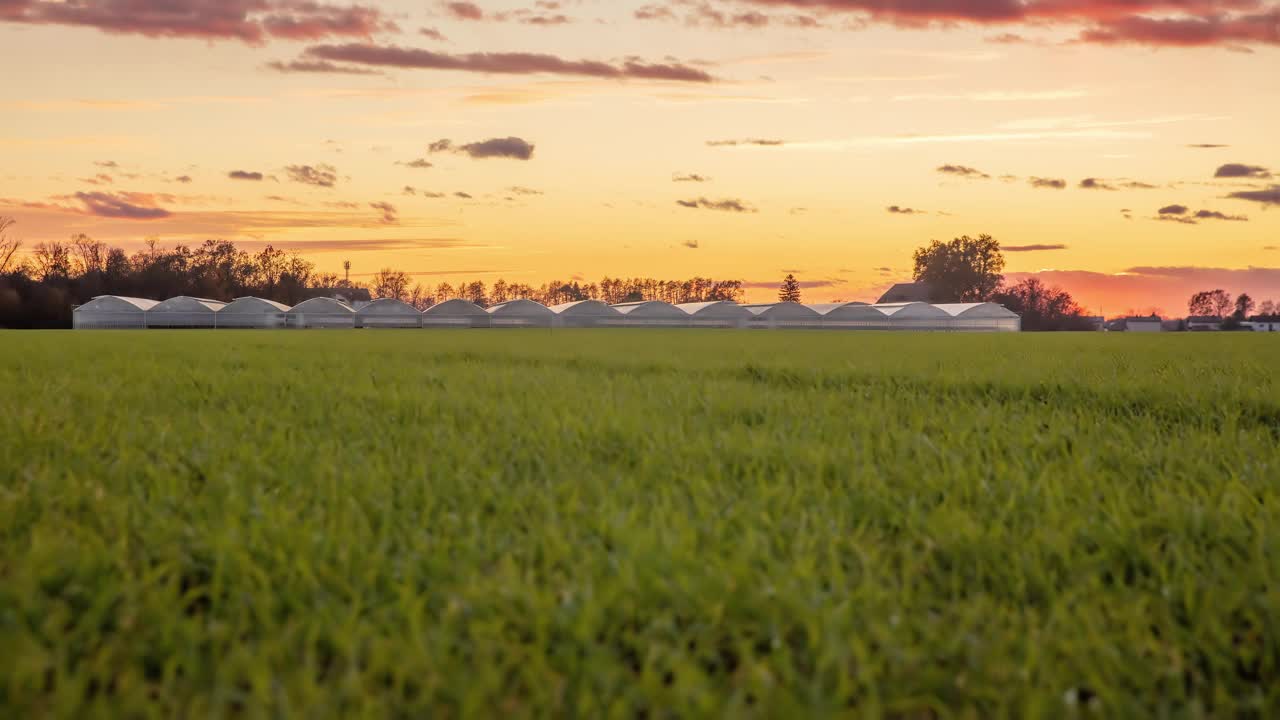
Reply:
x=40, y=290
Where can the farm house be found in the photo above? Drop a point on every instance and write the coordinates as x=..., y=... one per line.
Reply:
x=783, y=315
x=915, y=316
x=982, y=317
x=587, y=313
x=251, y=312
x=321, y=312
x=455, y=314
x=720, y=314
x=851, y=316
x=521, y=313
x=388, y=313
x=185, y=312
x=652, y=313
x=112, y=312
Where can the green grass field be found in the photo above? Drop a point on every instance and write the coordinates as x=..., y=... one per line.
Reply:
x=638, y=524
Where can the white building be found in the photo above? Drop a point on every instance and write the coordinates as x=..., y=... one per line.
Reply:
x=455, y=314
x=112, y=312
x=1143, y=324
x=521, y=313
x=388, y=313
x=184, y=312
x=981, y=317
x=717, y=314
x=587, y=313
x=321, y=312
x=1262, y=325
x=652, y=313
x=251, y=312
x=771, y=316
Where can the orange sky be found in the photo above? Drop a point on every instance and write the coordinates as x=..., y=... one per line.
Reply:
x=622, y=138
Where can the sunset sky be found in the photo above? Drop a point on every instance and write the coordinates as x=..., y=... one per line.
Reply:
x=1124, y=149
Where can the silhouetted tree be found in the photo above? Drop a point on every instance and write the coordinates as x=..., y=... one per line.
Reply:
x=790, y=289
x=390, y=283
x=1244, y=306
x=1042, y=307
x=9, y=246
x=1210, y=302
x=963, y=270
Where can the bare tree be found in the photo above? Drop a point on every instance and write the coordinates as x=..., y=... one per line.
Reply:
x=9, y=245
x=90, y=254
x=390, y=283
x=52, y=261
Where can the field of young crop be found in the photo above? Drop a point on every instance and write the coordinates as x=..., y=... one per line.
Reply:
x=638, y=524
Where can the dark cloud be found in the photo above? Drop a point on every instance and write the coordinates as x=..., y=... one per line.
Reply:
x=463, y=10
x=1031, y=248
x=963, y=171
x=1174, y=210
x=108, y=164
x=463, y=195
x=128, y=206
x=762, y=142
x=245, y=175
x=1048, y=183
x=1270, y=196
x=691, y=244
x=504, y=63
x=389, y=212
x=509, y=147
x=409, y=190
x=318, y=66
x=432, y=33
x=726, y=205
x=1207, y=145
x=1240, y=170
x=184, y=179
x=416, y=163
x=99, y=179
x=521, y=190
x=318, y=175
x=899, y=210
x=691, y=177
x=433, y=195
x=250, y=21
x=701, y=13
x=1215, y=215
x=1135, y=185
x=1095, y=184
x=1007, y=39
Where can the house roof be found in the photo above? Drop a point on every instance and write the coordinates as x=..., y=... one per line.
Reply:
x=907, y=292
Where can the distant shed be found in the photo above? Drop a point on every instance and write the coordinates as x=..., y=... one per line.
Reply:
x=455, y=314
x=521, y=313
x=321, y=312
x=112, y=312
x=252, y=312
x=388, y=313
x=185, y=312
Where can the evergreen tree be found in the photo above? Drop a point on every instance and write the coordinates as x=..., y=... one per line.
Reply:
x=790, y=289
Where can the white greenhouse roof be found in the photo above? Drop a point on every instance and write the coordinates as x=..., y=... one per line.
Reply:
x=791, y=310
x=455, y=308
x=986, y=309
x=185, y=304
x=583, y=307
x=718, y=308
x=824, y=308
x=252, y=305
x=650, y=308
x=118, y=302
x=903, y=311
x=322, y=305
x=388, y=306
x=520, y=307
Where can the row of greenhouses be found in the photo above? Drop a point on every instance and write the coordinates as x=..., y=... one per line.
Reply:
x=111, y=311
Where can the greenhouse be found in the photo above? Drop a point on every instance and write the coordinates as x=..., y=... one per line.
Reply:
x=652, y=313
x=185, y=312
x=851, y=316
x=783, y=315
x=251, y=312
x=388, y=313
x=915, y=316
x=720, y=314
x=321, y=312
x=521, y=313
x=587, y=313
x=112, y=312
x=982, y=317
x=455, y=314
